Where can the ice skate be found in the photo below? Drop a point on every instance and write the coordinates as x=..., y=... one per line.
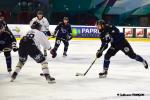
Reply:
x=145, y=64
x=13, y=77
x=50, y=79
x=64, y=54
x=103, y=74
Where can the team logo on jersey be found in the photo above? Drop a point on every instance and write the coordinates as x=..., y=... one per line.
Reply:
x=126, y=49
x=63, y=30
x=38, y=58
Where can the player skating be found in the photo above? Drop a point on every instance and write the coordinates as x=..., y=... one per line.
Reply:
x=2, y=21
x=111, y=34
x=45, y=24
x=6, y=45
x=63, y=31
x=30, y=46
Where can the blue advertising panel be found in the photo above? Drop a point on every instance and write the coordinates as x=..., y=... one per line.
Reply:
x=85, y=32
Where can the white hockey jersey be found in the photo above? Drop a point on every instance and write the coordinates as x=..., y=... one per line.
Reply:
x=44, y=22
x=39, y=38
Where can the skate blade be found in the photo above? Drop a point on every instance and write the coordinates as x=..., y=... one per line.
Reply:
x=12, y=80
x=104, y=76
x=64, y=56
x=52, y=82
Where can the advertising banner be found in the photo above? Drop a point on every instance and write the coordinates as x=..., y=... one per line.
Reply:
x=139, y=32
x=85, y=32
x=128, y=32
x=19, y=30
x=148, y=33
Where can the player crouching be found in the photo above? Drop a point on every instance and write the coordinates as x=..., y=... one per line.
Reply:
x=30, y=45
x=6, y=45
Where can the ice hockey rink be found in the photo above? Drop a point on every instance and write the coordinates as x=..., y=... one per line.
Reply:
x=126, y=76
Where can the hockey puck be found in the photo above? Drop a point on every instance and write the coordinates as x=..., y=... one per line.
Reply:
x=41, y=74
x=77, y=75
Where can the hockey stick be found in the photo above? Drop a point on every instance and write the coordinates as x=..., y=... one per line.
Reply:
x=80, y=74
x=83, y=74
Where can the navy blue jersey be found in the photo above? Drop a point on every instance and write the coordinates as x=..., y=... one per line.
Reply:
x=63, y=30
x=7, y=29
x=5, y=40
x=111, y=34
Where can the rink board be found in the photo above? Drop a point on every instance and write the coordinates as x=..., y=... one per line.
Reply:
x=129, y=39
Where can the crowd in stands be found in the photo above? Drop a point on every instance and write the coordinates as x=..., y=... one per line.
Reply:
x=25, y=10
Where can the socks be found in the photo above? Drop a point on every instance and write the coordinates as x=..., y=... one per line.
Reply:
x=106, y=64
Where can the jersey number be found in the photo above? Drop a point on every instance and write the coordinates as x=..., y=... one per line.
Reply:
x=30, y=35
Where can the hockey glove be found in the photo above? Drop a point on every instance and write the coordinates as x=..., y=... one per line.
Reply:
x=53, y=52
x=14, y=47
x=48, y=33
x=99, y=54
x=69, y=37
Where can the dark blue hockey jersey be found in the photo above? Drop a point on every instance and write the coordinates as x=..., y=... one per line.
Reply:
x=8, y=30
x=6, y=40
x=113, y=35
x=63, y=30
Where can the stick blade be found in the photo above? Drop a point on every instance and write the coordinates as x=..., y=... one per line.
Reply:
x=79, y=74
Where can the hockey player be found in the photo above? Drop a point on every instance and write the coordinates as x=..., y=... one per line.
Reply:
x=111, y=34
x=6, y=45
x=63, y=31
x=30, y=45
x=45, y=25
x=2, y=21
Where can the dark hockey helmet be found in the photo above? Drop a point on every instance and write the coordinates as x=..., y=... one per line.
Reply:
x=39, y=12
x=100, y=22
x=36, y=25
x=66, y=18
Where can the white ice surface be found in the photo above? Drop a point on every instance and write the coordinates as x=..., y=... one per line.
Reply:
x=125, y=76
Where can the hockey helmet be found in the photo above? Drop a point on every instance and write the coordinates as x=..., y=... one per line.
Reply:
x=100, y=22
x=36, y=25
x=39, y=12
x=66, y=18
